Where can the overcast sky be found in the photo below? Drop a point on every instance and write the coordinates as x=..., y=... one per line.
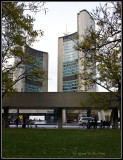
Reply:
x=60, y=15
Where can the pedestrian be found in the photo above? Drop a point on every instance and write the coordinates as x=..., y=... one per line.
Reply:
x=88, y=124
x=28, y=123
x=95, y=122
x=24, y=122
x=101, y=124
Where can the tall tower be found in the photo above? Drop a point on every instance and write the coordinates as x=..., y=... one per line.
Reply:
x=26, y=85
x=85, y=22
x=69, y=64
x=69, y=60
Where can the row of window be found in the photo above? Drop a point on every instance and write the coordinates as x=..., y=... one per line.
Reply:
x=69, y=74
x=72, y=69
x=70, y=63
x=67, y=50
x=70, y=82
x=69, y=43
x=32, y=88
x=72, y=52
x=69, y=86
x=70, y=90
x=69, y=59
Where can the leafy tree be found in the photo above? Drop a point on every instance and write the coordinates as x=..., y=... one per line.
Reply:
x=102, y=46
x=17, y=32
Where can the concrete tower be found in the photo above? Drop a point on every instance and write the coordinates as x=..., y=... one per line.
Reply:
x=69, y=64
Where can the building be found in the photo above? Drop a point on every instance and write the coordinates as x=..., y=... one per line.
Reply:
x=57, y=100
x=69, y=60
x=25, y=85
x=67, y=64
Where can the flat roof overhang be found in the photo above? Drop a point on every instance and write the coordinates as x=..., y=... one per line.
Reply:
x=51, y=100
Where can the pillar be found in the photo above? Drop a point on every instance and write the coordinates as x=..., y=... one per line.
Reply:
x=55, y=115
x=17, y=112
x=88, y=112
x=60, y=118
x=64, y=115
x=101, y=115
x=5, y=118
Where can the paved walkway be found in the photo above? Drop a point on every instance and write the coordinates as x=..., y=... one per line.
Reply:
x=56, y=126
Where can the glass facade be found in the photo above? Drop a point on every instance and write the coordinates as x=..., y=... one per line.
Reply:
x=70, y=65
x=30, y=86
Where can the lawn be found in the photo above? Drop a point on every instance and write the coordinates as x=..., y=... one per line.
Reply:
x=64, y=143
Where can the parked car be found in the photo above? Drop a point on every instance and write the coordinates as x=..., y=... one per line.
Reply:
x=84, y=120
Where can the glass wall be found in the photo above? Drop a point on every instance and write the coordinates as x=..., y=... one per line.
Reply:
x=70, y=66
x=30, y=86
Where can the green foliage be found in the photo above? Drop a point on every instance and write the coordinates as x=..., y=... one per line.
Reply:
x=7, y=83
x=17, y=31
x=101, y=49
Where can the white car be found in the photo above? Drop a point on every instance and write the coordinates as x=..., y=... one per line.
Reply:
x=84, y=120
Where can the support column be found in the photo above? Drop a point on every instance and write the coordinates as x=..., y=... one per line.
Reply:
x=60, y=118
x=64, y=112
x=101, y=115
x=17, y=112
x=5, y=118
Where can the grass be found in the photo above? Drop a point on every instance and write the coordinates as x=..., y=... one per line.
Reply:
x=56, y=143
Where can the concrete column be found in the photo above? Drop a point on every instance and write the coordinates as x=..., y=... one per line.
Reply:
x=64, y=116
x=17, y=112
x=88, y=112
x=60, y=118
x=5, y=118
x=101, y=115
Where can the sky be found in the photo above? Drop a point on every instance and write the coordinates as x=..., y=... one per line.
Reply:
x=60, y=18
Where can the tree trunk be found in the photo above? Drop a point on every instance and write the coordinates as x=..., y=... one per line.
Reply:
x=115, y=118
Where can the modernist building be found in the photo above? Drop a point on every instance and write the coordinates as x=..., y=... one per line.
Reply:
x=67, y=64
x=69, y=59
x=26, y=85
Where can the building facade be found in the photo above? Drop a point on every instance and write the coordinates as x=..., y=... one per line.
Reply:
x=68, y=69
x=69, y=59
x=26, y=85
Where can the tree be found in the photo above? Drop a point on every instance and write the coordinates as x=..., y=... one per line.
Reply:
x=102, y=47
x=17, y=32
